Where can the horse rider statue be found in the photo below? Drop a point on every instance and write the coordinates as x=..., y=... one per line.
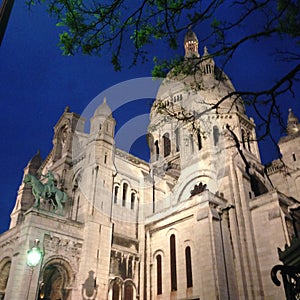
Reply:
x=49, y=186
x=47, y=191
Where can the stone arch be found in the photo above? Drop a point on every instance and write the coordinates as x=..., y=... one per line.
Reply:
x=119, y=289
x=57, y=280
x=157, y=271
x=158, y=252
x=184, y=191
x=129, y=290
x=5, y=265
x=61, y=139
x=73, y=203
x=124, y=191
x=259, y=184
x=116, y=192
x=171, y=231
x=150, y=141
x=77, y=178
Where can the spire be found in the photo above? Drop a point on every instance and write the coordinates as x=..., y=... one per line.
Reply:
x=191, y=44
x=292, y=123
x=36, y=161
x=208, y=64
x=205, y=53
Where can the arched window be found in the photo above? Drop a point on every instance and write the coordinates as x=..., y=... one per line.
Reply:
x=57, y=276
x=216, y=135
x=128, y=292
x=159, y=274
x=61, y=141
x=129, y=271
x=77, y=208
x=156, y=150
x=167, y=144
x=177, y=139
x=192, y=143
x=248, y=141
x=188, y=267
x=173, y=263
x=5, y=265
x=199, y=140
x=294, y=156
x=116, y=292
x=116, y=194
x=132, y=200
x=243, y=137
x=208, y=69
x=125, y=187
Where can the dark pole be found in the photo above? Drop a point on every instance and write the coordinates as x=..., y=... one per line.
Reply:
x=5, y=12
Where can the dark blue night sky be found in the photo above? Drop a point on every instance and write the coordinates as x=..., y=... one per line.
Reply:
x=37, y=83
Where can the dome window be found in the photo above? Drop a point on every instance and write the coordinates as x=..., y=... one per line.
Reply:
x=167, y=144
x=199, y=140
x=125, y=188
x=156, y=150
x=216, y=135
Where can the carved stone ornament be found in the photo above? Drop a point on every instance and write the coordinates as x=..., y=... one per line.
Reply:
x=198, y=189
x=63, y=246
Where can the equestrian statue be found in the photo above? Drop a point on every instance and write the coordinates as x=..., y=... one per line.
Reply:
x=47, y=191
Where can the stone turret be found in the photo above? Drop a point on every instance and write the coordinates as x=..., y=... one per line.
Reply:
x=25, y=198
x=293, y=125
x=289, y=164
x=102, y=122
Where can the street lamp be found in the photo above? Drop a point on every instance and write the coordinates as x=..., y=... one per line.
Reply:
x=34, y=256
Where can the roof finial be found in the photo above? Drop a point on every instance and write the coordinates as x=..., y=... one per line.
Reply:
x=205, y=51
x=104, y=99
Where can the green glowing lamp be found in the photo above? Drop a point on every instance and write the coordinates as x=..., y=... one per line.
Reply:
x=34, y=255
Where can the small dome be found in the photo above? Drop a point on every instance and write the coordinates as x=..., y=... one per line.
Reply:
x=190, y=36
x=103, y=109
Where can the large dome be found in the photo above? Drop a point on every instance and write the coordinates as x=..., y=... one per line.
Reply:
x=201, y=78
x=218, y=81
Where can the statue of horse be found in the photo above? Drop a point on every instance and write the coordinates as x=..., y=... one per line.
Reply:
x=40, y=190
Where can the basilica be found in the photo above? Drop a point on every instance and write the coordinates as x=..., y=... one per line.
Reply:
x=202, y=220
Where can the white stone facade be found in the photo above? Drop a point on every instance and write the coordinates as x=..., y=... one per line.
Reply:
x=202, y=221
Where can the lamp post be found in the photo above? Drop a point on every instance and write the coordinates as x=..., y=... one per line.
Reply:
x=34, y=256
